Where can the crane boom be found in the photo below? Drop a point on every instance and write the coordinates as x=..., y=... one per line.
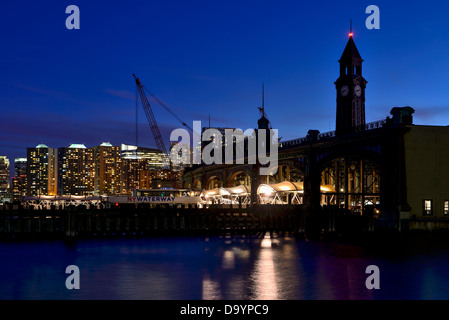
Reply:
x=150, y=117
x=155, y=128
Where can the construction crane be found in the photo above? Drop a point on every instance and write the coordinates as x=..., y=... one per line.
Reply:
x=154, y=126
x=150, y=117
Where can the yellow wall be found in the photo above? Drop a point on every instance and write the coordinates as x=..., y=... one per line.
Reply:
x=427, y=167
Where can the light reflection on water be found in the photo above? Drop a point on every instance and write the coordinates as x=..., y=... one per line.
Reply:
x=263, y=277
x=267, y=266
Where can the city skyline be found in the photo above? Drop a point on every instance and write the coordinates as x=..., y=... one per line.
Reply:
x=77, y=170
x=66, y=86
x=123, y=148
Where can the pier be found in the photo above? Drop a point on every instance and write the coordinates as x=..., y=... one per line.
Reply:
x=17, y=222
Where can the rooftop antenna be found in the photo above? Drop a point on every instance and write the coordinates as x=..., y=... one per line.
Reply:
x=350, y=27
x=262, y=108
x=137, y=122
x=263, y=97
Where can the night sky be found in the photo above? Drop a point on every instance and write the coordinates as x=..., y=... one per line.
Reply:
x=209, y=58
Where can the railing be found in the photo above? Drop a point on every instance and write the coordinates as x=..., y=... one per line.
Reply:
x=291, y=143
x=326, y=135
x=331, y=134
x=375, y=125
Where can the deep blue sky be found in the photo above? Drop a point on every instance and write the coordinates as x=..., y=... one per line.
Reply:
x=204, y=58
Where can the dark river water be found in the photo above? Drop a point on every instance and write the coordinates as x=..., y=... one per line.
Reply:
x=257, y=267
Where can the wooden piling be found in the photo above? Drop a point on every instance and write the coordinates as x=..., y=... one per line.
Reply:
x=155, y=220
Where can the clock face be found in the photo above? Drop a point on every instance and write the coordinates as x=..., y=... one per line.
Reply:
x=344, y=91
x=357, y=91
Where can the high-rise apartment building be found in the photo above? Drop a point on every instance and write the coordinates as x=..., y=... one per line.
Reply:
x=41, y=170
x=20, y=167
x=108, y=166
x=4, y=174
x=76, y=170
x=19, y=181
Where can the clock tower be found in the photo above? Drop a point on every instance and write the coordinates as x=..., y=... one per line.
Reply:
x=350, y=91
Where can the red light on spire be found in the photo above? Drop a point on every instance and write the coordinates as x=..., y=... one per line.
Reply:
x=350, y=34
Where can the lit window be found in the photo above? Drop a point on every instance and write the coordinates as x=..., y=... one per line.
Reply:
x=427, y=207
x=446, y=207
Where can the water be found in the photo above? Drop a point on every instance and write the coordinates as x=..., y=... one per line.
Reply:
x=277, y=267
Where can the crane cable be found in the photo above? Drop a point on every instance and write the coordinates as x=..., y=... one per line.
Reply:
x=168, y=109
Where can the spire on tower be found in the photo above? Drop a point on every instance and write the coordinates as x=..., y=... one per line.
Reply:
x=350, y=53
x=263, y=96
x=350, y=28
x=262, y=108
x=263, y=122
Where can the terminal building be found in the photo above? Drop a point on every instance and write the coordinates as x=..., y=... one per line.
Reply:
x=392, y=168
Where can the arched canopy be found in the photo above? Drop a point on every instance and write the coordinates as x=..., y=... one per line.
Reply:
x=239, y=190
x=232, y=195
x=212, y=192
x=289, y=187
x=284, y=186
x=264, y=190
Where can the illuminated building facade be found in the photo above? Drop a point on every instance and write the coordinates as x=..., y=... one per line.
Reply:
x=19, y=181
x=5, y=190
x=158, y=179
x=4, y=180
x=76, y=170
x=108, y=166
x=140, y=167
x=41, y=171
x=4, y=174
x=153, y=157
